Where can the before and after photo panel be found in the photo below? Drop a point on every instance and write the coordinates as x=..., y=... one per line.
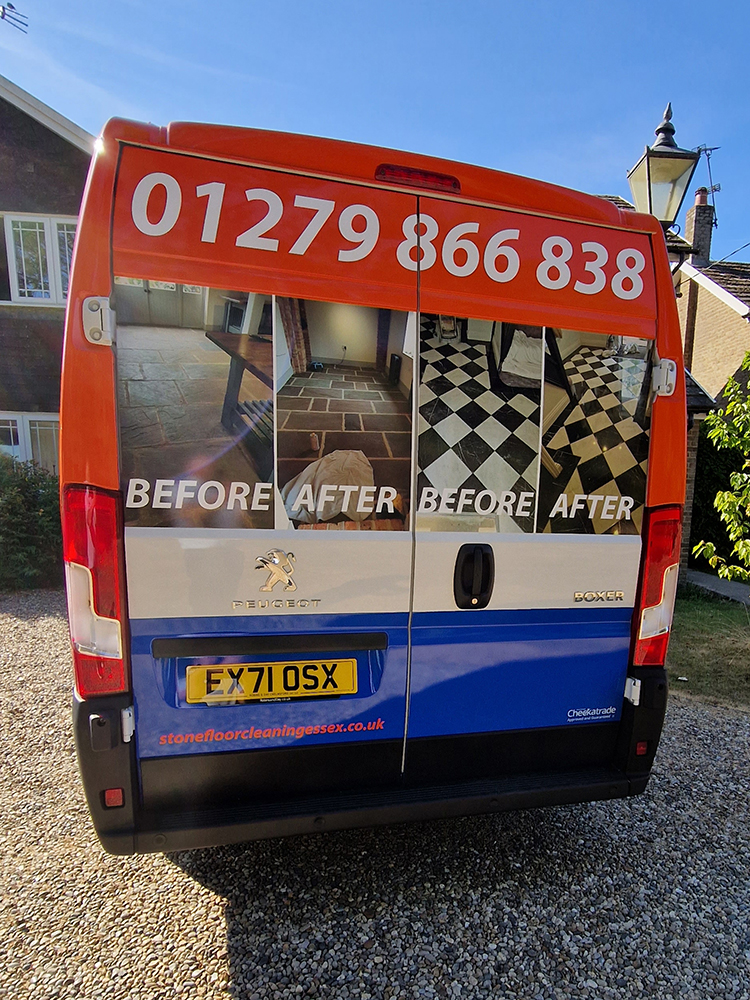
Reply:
x=246, y=410
x=531, y=429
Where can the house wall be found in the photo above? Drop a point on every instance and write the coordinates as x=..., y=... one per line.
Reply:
x=687, y=514
x=40, y=174
x=722, y=337
x=569, y=343
x=30, y=359
x=39, y=171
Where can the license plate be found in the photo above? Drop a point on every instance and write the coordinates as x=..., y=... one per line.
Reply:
x=238, y=682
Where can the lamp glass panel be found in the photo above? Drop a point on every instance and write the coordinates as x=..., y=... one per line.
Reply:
x=670, y=175
x=638, y=181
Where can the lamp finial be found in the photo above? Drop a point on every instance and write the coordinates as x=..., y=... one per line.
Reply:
x=665, y=132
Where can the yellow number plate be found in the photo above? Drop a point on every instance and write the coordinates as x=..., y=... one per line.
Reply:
x=237, y=682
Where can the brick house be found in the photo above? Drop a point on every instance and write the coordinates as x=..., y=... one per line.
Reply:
x=44, y=160
x=714, y=304
x=699, y=401
x=713, y=300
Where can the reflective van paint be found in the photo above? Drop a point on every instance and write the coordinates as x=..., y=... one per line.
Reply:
x=531, y=571
x=543, y=647
x=214, y=572
x=479, y=671
x=471, y=672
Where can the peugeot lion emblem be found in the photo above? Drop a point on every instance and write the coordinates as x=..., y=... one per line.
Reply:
x=280, y=566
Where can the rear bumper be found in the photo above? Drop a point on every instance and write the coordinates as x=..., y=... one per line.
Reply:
x=186, y=803
x=194, y=830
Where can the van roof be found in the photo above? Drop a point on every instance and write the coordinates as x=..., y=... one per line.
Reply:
x=359, y=162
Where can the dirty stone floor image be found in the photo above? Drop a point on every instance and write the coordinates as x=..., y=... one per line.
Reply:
x=648, y=897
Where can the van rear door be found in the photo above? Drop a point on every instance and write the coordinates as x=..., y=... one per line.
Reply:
x=265, y=446
x=536, y=344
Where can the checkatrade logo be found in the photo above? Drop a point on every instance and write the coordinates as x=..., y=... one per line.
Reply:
x=591, y=714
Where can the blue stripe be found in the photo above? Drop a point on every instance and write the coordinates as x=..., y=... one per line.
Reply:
x=472, y=671
x=499, y=670
x=144, y=630
x=585, y=614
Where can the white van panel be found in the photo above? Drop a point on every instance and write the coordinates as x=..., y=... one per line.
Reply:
x=532, y=571
x=207, y=572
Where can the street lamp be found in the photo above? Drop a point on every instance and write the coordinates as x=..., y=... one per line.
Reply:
x=661, y=177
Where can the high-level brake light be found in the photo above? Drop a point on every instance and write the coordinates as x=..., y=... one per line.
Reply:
x=662, y=531
x=92, y=546
x=412, y=177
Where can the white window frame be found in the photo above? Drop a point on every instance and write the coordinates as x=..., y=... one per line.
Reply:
x=21, y=446
x=23, y=421
x=56, y=298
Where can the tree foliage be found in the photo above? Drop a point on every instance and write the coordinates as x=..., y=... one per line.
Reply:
x=729, y=428
x=30, y=542
x=712, y=473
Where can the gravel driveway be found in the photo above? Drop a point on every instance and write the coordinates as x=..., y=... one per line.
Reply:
x=647, y=897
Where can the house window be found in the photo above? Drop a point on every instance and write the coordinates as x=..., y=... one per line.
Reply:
x=44, y=436
x=31, y=437
x=39, y=251
x=30, y=258
x=66, y=233
x=10, y=443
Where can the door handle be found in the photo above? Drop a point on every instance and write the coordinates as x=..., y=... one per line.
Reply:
x=474, y=576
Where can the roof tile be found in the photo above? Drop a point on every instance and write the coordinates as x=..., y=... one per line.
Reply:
x=733, y=277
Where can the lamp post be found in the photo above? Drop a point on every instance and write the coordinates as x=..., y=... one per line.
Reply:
x=661, y=177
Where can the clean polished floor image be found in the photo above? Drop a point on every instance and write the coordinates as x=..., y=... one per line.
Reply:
x=345, y=408
x=600, y=443
x=344, y=423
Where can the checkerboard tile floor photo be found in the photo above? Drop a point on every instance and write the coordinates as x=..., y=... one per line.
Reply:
x=601, y=442
x=469, y=437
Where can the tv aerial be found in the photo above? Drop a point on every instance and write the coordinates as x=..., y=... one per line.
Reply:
x=15, y=18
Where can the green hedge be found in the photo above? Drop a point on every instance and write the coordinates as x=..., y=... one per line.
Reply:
x=30, y=540
x=713, y=470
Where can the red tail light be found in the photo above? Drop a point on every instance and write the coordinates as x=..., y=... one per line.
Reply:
x=662, y=532
x=93, y=552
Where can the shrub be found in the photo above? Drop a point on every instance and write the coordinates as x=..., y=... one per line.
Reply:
x=30, y=539
x=729, y=429
x=713, y=469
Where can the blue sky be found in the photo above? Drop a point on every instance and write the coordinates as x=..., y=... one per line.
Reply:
x=566, y=90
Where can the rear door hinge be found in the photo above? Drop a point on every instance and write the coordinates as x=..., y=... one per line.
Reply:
x=128, y=724
x=98, y=321
x=664, y=377
x=633, y=690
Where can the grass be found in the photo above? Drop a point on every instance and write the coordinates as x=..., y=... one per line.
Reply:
x=710, y=646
